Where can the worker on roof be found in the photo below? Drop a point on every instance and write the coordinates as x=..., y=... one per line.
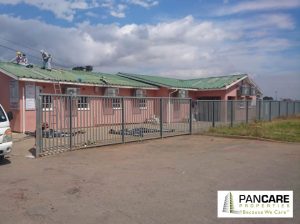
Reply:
x=18, y=57
x=21, y=59
x=46, y=60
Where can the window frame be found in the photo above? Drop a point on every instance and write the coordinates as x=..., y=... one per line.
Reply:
x=116, y=104
x=141, y=101
x=47, y=103
x=80, y=103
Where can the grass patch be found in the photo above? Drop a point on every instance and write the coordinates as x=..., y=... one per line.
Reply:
x=282, y=129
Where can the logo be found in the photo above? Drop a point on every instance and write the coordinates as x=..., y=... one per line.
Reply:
x=229, y=204
x=255, y=204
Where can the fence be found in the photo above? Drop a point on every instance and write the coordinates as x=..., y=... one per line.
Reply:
x=71, y=122
x=206, y=114
x=67, y=122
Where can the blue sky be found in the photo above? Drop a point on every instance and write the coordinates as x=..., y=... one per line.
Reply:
x=192, y=38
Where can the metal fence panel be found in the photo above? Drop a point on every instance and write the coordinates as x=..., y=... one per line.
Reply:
x=67, y=122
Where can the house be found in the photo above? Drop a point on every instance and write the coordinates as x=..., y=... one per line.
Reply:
x=230, y=87
x=19, y=86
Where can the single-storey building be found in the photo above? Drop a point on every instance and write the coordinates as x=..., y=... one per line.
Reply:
x=19, y=86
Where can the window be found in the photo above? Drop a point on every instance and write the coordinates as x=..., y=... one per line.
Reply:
x=83, y=103
x=116, y=103
x=2, y=115
x=140, y=103
x=47, y=102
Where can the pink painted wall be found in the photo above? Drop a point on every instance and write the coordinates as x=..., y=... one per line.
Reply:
x=99, y=113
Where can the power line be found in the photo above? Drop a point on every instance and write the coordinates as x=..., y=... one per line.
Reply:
x=33, y=56
x=35, y=50
x=25, y=46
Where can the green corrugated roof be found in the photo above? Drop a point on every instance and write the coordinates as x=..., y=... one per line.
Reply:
x=214, y=82
x=200, y=83
x=158, y=80
x=70, y=76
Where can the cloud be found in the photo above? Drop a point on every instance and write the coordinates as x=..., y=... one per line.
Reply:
x=183, y=47
x=92, y=14
x=258, y=5
x=144, y=3
x=67, y=9
x=63, y=9
x=115, y=10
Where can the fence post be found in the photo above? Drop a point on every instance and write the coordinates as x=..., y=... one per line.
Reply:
x=279, y=108
x=287, y=108
x=70, y=121
x=231, y=113
x=191, y=117
x=259, y=110
x=270, y=110
x=123, y=119
x=213, y=114
x=294, y=107
x=161, y=117
x=39, y=134
x=247, y=111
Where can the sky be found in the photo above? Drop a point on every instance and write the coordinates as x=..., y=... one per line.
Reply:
x=180, y=39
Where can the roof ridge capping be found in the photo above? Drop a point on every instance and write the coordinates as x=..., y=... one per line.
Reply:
x=219, y=76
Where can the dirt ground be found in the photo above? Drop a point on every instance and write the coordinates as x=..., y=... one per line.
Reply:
x=174, y=180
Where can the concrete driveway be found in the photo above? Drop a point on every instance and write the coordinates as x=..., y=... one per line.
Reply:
x=174, y=180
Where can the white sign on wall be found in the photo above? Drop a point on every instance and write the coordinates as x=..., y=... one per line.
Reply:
x=30, y=96
x=14, y=97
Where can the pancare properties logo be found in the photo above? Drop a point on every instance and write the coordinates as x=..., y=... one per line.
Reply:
x=255, y=204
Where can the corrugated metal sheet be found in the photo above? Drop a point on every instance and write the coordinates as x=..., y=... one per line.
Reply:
x=70, y=76
x=200, y=83
x=158, y=80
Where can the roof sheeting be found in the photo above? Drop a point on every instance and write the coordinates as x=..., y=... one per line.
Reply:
x=21, y=72
x=120, y=79
x=220, y=82
x=215, y=82
x=158, y=80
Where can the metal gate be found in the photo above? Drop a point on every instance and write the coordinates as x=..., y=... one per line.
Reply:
x=68, y=122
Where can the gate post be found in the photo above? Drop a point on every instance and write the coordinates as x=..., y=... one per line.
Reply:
x=191, y=117
x=161, y=117
x=259, y=110
x=231, y=113
x=247, y=111
x=38, y=125
x=123, y=119
x=70, y=121
x=213, y=114
x=270, y=110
